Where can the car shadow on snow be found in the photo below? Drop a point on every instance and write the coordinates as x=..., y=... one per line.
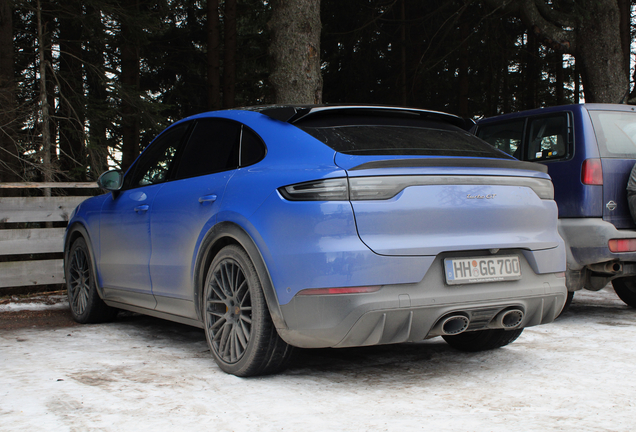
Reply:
x=377, y=359
x=431, y=356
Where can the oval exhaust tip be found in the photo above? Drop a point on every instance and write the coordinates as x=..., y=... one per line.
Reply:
x=511, y=318
x=455, y=324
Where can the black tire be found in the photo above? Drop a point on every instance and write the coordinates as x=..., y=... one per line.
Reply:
x=83, y=298
x=482, y=340
x=568, y=302
x=238, y=326
x=625, y=289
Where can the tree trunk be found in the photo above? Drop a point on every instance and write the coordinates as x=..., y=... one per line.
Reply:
x=71, y=93
x=47, y=167
x=403, y=85
x=213, y=56
x=624, y=7
x=559, y=84
x=229, y=58
x=600, y=53
x=130, y=62
x=464, y=83
x=9, y=154
x=295, y=51
x=97, y=103
x=531, y=76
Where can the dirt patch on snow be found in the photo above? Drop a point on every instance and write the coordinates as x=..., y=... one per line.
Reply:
x=40, y=319
x=44, y=310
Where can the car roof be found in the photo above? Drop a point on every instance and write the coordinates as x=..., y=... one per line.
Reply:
x=561, y=108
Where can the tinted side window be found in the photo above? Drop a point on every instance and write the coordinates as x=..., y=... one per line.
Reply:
x=506, y=136
x=252, y=148
x=547, y=138
x=212, y=147
x=155, y=163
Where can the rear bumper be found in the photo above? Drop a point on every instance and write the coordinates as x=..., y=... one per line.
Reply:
x=409, y=312
x=590, y=263
x=587, y=242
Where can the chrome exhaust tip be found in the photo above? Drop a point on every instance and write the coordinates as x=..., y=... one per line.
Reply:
x=453, y=324
x=508, y=319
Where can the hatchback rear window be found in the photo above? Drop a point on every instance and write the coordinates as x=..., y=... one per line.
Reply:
x=615, y=132
x=423, y=138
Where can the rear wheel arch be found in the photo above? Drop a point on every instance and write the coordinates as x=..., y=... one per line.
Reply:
x=224, y=234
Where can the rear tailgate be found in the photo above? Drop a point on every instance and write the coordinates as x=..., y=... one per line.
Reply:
x=615, y=177
x=615, y=132
x=451, y=208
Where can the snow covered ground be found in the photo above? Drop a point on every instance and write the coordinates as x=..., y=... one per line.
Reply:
x=144, y=374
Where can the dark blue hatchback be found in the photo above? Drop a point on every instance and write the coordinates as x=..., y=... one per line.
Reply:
x=589, y=150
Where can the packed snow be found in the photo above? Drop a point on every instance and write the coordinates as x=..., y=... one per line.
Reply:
x=144, y=374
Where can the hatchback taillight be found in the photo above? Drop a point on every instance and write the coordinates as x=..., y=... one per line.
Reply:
x=592, y=172
x=321, y=190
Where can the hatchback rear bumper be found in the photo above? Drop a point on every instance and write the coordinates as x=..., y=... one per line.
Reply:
x=587, y=242
x=410, y=312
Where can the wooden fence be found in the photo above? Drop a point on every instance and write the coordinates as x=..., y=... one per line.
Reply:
x=25, y=236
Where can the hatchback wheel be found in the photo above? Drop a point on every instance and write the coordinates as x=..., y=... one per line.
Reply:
x=626, y=290
x=86, y=305
x=238, y=327
x=482, y=340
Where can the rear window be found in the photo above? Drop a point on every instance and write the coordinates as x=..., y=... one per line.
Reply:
x=378, y=136
x=615, y=132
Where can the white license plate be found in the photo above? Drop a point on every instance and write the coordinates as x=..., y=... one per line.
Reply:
x=482, y=269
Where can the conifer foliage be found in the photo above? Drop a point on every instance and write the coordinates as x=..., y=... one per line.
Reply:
x=86, y=84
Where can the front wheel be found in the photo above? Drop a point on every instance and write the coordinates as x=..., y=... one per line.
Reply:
x=482, y=340
x=86, y=305
x=238, y=327
x=625, y=289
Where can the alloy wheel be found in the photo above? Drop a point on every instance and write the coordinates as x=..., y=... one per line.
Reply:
x=80, y=279
x=229, y=310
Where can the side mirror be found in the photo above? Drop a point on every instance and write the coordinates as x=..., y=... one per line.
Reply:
x=111, y=180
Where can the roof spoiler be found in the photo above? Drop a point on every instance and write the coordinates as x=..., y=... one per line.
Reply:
x=293, y=113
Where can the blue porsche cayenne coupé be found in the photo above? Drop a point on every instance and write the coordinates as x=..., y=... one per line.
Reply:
x=321, y=226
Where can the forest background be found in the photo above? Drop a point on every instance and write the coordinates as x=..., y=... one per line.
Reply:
x=86, y=84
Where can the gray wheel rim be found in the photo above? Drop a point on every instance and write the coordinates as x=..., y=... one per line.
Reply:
x=229, y=311
x=79, y=281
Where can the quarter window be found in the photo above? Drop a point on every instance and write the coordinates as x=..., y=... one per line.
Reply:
x=252, y=148
x=212, y=147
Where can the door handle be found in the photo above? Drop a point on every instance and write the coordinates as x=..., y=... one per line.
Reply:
x=207, y=198
x=142, y=208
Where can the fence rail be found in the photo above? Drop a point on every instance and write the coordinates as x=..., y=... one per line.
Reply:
x=21, y=243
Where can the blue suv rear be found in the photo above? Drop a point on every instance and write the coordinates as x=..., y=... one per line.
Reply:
x=589, y=150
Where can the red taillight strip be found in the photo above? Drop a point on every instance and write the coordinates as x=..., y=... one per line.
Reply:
x=343, y=290
x=592, y=172
x=622, y=245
